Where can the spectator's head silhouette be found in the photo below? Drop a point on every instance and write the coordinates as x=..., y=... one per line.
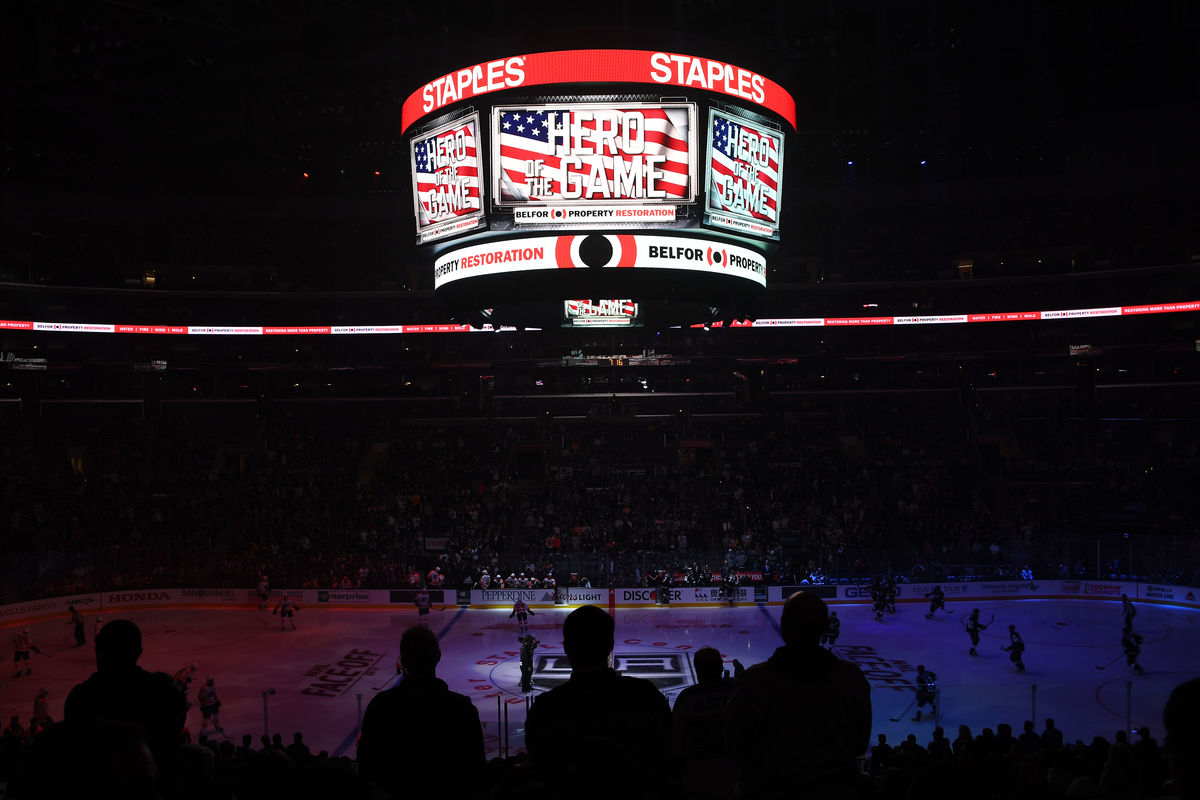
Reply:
x=708, y=664
x=419, y=652
x=805, y=617
x=118, y=646
x=588, y=637
x=1181, y=718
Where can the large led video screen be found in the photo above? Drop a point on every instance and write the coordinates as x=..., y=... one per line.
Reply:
x=448, y=187
x=593, y=154
x=745, y=172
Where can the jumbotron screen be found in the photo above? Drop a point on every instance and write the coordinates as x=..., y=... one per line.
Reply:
x=634, y=174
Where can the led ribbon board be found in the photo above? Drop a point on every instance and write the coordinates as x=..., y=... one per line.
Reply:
x=599, y=67
x=600, y=251
x=448, y=193
x=745, y=172
x=585, y=153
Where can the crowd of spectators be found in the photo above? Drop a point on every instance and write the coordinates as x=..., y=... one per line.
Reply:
x=111, y=742
x=318, y=498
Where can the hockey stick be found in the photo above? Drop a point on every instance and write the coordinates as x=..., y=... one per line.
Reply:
x=385, y=683
x=1115, y=660
x=905, y=711
x=947, y=610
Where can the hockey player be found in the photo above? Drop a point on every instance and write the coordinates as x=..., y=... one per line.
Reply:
x=263, y=590
x=485, y=580
x=184, y=676
x=938, y=601
x=22, y=644
x=210, y=706
x=421, y=601
x=731, y=586
x=832, y=631
x=521, y=611
x=974, y=626
x=77, y=621
x=286, y=609
x=1016, y=648
x=926, y=690
x=1131, y=643
x=529, y=644
x=890, y=592
x=1128, y=612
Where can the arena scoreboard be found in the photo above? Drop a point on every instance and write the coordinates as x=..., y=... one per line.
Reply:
x=599, y=187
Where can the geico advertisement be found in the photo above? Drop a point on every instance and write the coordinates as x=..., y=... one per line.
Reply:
x=590, y=152
x=600, y=251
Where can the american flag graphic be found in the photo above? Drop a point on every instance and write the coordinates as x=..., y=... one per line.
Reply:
x=745, y=169
x=607, y=167
x=446, y=173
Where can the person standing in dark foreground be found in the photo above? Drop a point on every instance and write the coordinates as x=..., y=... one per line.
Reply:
x=419, y=739
x=121, y=691
x=698, y=731
x=599, y=734
x=802, y=717
x=1181, y=718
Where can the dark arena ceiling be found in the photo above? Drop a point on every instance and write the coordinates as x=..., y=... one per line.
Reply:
x=1043, y=151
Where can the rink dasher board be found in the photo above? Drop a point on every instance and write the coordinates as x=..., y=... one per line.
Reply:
x=540, y=599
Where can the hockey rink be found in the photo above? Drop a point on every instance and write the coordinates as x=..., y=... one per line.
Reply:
x=318, y=679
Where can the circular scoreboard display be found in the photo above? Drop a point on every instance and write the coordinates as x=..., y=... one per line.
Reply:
x=602, y=183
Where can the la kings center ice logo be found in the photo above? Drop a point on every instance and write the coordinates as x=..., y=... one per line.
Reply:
x=668, y=671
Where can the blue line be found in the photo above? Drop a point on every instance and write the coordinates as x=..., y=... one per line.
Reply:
x=353, y=735
x=770, y=619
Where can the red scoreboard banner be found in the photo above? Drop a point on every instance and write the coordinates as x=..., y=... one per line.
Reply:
x=599, y=66
x=580, y=153
x=745, y=172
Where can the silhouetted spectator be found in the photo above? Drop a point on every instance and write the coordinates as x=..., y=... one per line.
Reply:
x=881, y=755
x=600, y=732
x=1181, y=718
x=419, y=738
x=120, y=690
x=1052, y=738
x=298, y=750
x=1029, y=741
x=803, y=716
x=698, y=730
x=88, y=757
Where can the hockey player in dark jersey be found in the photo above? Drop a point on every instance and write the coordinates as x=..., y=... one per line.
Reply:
x=1128, y=612
x=286, y=609
x=974, y=626
x=832, y=631
x=528, y=646
x=1131, y=643
x=1016, y=648
x=210, y=706
x=263, y=590
x=937, y=601
x=926, y=690
x=77, y=621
